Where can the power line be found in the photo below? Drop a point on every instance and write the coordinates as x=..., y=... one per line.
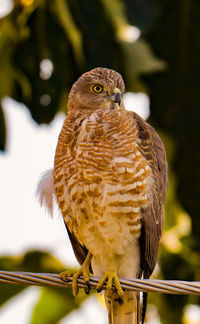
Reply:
x=147, y=285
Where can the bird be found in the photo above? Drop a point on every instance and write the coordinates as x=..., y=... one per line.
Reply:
x=110, y=182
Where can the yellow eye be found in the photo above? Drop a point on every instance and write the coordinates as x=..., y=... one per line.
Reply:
x=97, y=88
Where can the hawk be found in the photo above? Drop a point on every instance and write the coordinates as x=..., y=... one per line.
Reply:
x=110, y=182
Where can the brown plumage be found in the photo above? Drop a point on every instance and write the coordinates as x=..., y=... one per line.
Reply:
x=110, y=180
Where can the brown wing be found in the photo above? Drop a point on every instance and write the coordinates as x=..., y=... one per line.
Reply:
x=79, y=250
x=153, y=150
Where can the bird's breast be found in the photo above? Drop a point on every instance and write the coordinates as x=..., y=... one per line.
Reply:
x=107, y=181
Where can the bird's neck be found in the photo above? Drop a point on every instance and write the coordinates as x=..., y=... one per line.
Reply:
x=82, y=112
x=101, y=123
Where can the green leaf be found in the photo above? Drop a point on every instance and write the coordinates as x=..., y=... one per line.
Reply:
x=99, y=35
x=141, y=13
x=9, y=263
x=53, y=305
x=139, y=60
x=47, y=40
x=75, y=36
x=175, y=94
x=33, y=261
x=9, y=291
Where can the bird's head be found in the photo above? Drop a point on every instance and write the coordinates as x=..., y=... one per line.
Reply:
x=98, y=88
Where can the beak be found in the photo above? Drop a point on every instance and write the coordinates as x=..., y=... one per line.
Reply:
x=116, y=97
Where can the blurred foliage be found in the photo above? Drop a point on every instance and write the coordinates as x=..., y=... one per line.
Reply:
x=174, y=97
x=58, y=301
x=75, y=36
x=78, y=35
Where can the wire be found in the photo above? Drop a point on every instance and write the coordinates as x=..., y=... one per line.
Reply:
x=146, y=285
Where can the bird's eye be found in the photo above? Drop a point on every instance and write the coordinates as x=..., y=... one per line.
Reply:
x=97, y=88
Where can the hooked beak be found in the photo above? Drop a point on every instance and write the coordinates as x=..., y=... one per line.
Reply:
x=116, y=97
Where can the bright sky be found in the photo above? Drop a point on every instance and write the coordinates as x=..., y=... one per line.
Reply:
x=30, y=151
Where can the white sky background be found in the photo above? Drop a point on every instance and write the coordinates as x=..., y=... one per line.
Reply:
x=30, y=151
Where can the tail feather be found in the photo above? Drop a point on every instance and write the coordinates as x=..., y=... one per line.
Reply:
x=144, y=306
x=126, y=311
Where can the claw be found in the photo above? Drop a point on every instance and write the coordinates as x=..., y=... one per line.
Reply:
x=112, y=282
x=84, y=271
x=65, y=275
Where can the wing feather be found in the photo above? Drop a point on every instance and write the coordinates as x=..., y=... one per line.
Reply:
x=153, y=150
x=79, y=250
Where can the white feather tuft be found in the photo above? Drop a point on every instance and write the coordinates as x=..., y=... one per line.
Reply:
x=45, y=190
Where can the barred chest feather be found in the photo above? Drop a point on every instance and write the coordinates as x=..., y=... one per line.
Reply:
x=102, y=180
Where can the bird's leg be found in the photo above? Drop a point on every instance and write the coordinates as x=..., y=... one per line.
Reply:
x=84, y=271
x=113, y=282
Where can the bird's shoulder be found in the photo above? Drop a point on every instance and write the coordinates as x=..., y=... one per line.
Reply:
x=153, y=150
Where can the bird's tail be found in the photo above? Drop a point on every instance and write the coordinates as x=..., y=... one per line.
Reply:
x=126, y=311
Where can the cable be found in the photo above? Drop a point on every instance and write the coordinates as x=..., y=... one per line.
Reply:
x=147, y=285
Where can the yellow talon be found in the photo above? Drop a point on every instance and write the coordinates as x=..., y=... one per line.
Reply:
x=84, y=271
x=66, y=274
x=112, y=282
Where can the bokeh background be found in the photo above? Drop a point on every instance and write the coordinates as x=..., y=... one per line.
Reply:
x=45, y=46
